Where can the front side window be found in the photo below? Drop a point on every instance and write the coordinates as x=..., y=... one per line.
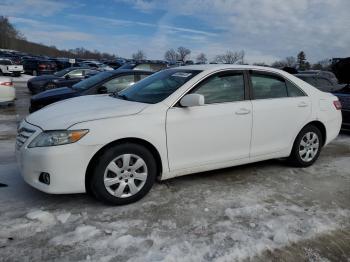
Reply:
x=120, y=83
x=267, y=86
x=158, y=86
x=228, y=87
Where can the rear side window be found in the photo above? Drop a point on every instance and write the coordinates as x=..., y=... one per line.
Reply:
x=267, y=86
x=222, y=88
x=293, y=90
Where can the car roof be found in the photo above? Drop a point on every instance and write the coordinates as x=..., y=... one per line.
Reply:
x=216, y=67
x=120, y=71
x=309, y=75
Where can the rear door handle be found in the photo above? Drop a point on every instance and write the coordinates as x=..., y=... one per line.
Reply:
x=303, y=104
x=242, y=111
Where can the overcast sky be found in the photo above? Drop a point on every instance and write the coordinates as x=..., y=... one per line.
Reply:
x=267, y=30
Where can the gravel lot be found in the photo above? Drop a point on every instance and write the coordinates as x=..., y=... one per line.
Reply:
x=259, y=212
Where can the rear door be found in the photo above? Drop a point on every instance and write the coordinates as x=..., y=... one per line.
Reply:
x=280, y=110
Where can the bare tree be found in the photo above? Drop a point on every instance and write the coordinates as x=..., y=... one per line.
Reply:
x=324, y=64
x=171, y=55
x=183, y=53
x=139, y=55
x=202, y=58
x=231, y=57
x=289, y=61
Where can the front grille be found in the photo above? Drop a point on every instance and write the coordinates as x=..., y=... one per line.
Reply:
x=23, y=135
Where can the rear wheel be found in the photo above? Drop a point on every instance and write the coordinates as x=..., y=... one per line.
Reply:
x=123, y=174
x=307, y=147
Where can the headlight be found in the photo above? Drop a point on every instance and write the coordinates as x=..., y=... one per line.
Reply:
x=57, y=137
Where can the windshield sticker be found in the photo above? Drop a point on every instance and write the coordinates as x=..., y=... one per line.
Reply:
x=182, y=74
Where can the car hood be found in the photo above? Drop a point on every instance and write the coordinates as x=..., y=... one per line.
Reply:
x=54, y=93
x=43, y=78
x=63, y=114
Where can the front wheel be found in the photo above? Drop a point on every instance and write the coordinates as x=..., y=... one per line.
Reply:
x=307, y=147
x=123, y=174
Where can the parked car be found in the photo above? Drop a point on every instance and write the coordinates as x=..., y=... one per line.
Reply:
x=114, y=64
x=102, y=83
x=321, y=82
x=35, y=67
x=172, y=123
x=153, y=66
x=8, y=68
x=65, y=77
x=62, y=63
x=96, y=65
x=344, y=97
x=341, y=68
x=326, y=74
x=7, y=91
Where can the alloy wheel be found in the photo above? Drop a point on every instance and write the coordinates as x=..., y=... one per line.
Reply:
x=125, y=175
x=309, y=146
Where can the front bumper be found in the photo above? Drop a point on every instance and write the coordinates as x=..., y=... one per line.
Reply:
x=66, y=164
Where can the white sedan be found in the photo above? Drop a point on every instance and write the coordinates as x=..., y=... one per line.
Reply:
x=7, y=90
x=176, y=122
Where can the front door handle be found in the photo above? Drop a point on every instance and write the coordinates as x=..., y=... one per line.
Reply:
x=242, y=111
x=302, y=104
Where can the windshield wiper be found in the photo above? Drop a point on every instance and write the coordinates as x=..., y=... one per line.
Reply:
x=115, y=94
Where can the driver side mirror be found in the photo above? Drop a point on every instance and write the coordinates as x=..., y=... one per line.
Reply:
x=102, y=90
x=67, y=77
x=192, y=100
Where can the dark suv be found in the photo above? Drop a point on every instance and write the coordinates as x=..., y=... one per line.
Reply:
x=37, y=67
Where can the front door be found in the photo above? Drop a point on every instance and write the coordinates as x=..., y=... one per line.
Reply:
x=216, y=132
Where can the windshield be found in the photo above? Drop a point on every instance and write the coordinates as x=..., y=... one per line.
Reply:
x=158, y=86
x=63, y=72
x=5, y=62
x=92, y=81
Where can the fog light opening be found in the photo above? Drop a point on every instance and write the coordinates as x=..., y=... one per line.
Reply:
x=44, y=178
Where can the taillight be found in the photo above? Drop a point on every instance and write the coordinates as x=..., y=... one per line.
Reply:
x=42, y=66
x=6, y=84
x=337, y=104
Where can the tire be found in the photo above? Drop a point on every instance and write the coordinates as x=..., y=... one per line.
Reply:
x=50, y=86
x=307, y=147
x=34, y=73
x=1, y=73
x=127, y=184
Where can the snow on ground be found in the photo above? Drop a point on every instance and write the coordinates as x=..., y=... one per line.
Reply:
x=249, y=212
x=23, y=78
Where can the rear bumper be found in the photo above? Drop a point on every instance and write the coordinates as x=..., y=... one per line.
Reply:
x=7, y=94
x=333, y=127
